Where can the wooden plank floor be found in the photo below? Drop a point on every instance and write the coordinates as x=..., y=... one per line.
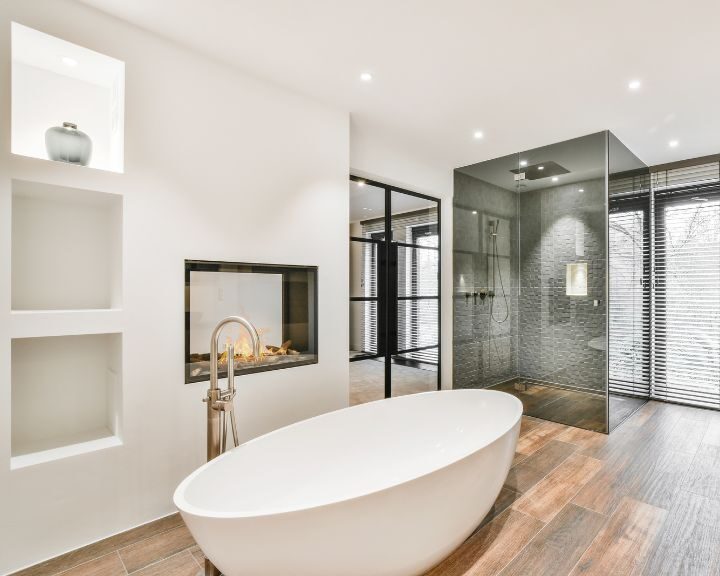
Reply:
x=643, y=501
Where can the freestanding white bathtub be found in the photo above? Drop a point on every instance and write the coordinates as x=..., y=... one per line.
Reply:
x=387, y=488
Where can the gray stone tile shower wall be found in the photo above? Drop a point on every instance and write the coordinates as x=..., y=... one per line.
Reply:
x=549, y=335
x=561, y=337
x=484, y=351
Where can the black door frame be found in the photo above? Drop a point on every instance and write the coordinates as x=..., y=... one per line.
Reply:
x=387, y=252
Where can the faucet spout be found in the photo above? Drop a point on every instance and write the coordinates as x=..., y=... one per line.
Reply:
x=254, y=338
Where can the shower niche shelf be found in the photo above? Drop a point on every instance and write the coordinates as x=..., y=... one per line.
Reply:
x=66, y=396
x=66, y=248
x=55, y=81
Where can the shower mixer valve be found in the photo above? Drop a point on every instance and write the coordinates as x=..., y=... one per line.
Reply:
x=483, y=293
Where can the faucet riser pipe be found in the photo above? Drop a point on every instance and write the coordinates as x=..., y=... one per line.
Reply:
x=213, y=425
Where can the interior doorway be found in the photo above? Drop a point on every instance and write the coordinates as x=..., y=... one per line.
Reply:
x=394, y=291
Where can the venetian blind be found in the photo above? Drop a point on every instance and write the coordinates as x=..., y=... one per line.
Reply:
x=687, y=290
x=629, y=320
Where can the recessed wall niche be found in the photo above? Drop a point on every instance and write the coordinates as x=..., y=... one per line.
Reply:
x=576, y=279
x=66, y=248
x=65, y=396
x=55, y=81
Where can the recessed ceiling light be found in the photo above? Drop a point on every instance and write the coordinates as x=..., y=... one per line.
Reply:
x=474, y=211
x=361, y=183
x=581, y=190
x=634, y=85
x=673, y=143
x=366, y=77
x=523, y=162
x=478, y=135
x=541, y=167
x=555, y=178
x=71, y=62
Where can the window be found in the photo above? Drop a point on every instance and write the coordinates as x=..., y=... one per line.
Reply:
x=687, y=295
x=421, y=271
x=629, y=305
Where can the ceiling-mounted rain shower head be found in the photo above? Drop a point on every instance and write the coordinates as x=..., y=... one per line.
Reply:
x=541, y=170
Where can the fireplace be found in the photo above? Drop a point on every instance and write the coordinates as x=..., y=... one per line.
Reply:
x=280, y=301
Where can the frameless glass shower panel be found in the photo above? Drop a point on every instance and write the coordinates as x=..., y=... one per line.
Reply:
x=563, y=261
x=485, y=273
x=629, y=282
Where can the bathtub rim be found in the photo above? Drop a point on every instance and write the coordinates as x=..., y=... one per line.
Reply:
x=185, y=507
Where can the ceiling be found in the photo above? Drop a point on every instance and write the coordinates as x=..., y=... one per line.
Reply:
x=525, y=73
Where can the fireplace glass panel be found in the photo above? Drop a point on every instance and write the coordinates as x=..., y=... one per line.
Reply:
x=280, y=301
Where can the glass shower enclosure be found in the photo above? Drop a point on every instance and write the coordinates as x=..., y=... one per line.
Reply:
x=550, y=258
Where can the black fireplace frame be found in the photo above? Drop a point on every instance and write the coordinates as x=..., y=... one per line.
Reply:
x=244, y=267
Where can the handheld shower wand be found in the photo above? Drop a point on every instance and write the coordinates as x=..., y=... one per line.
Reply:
x=495, y=263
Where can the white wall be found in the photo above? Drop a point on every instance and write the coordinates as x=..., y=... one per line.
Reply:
x=217, y=166
x=380, y=157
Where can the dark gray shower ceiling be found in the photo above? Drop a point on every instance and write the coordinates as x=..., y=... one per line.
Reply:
x=579, y=161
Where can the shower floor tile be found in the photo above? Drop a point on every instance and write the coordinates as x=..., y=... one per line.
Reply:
x=570, y=407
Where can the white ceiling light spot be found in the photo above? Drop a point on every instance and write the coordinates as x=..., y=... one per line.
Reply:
x=634, y=85
x=474, y=211
x=541, y=167
x=366, y=77
x=673, y=143
x=581, y=190
x=361, y=183
x=70, y=62
x=523, y=162
x=478, y=135
x=555, y=178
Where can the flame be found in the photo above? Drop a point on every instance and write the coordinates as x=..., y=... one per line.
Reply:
x=242, y=347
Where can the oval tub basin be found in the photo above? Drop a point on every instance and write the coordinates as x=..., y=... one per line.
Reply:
x=387, y=488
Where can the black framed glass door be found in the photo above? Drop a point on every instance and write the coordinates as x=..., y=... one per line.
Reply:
x=394, y=291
